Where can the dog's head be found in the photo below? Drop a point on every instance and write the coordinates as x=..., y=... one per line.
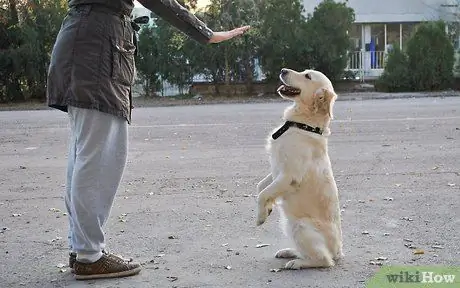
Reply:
x=311, y=91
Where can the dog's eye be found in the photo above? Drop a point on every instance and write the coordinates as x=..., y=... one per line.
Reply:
x=308, y=76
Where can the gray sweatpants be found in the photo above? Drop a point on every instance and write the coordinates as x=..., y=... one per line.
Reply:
x=97, y=157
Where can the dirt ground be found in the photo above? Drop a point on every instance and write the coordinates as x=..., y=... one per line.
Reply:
x=186, y=206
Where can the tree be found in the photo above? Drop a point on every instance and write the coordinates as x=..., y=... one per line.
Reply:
x=396, y=76
x=328, y=40
x=427, y=64
x=174, y=64
x=283, y=31
x=147, y=59
x=431, y=57
x=27, y=33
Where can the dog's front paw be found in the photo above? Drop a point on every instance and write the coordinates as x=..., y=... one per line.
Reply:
x=263, y=213
x=295, y=264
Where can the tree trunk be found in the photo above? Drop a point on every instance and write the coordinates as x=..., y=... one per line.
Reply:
x=249, y=75
x=227, y=68
x=14, y=12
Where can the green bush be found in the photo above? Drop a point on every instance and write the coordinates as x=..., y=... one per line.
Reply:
x=396, y=77
x=427, y=64
x=431, y=57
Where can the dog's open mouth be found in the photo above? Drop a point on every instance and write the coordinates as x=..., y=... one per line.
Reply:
x=288, y=91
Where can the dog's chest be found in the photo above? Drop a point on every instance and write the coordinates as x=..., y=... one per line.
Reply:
x=294, y=154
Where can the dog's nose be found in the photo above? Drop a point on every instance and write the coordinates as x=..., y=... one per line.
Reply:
x=284, y=71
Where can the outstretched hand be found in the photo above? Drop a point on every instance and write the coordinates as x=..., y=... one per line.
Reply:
x=227, y=35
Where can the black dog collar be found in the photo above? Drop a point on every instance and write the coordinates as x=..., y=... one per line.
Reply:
x=302, y=126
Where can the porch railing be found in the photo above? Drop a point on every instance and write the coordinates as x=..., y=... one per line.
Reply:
x=367, y=60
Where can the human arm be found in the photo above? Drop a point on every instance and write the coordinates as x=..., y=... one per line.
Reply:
x=185, y=21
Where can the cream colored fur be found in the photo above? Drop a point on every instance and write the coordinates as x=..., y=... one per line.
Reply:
x=301, y=182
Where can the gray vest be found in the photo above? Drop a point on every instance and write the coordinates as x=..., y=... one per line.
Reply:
x=125, y=6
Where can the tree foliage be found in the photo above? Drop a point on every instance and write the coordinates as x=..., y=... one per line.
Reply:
x=328, y=39
x=427, y=64
x=27, y=33
x=281, y=36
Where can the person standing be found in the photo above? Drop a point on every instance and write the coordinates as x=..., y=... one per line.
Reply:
x=90, y=77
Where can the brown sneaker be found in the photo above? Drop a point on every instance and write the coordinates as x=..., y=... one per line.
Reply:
x=108, y=266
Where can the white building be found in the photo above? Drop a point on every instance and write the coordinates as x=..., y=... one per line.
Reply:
x=380, y=24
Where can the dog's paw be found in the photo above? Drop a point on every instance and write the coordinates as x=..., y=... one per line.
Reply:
x=286, y=253
x=262, y=216
x=295, y=264
x=264, y=209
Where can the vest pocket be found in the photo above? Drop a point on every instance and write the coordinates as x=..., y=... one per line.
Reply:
x=123, y=63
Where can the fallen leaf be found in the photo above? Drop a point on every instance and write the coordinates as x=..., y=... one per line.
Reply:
x=262, y=245
x=419, y=252
x=275, y=270
x=172, y=237
x=435, y=168
x=122, y=220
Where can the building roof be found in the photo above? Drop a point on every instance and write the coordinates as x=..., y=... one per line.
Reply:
x=387, y=11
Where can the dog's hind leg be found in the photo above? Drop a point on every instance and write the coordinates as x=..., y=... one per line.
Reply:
x=311, y=246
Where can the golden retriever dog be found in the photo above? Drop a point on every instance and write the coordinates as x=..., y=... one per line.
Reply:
x=301, y=183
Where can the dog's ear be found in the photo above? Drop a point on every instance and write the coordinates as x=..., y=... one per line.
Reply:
x=324, y=100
